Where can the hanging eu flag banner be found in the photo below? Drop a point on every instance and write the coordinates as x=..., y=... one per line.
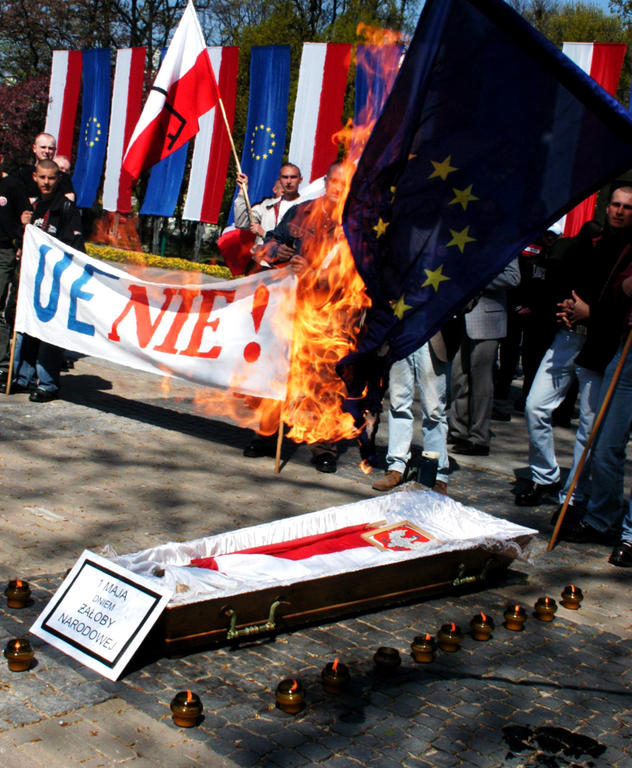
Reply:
x=264, y=142
x=489, y=134
x=95, y=119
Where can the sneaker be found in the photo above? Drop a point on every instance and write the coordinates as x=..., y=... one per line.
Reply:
x=391, y=479
x=538, y=493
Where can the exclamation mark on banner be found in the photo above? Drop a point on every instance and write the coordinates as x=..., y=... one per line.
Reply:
x=259, y=304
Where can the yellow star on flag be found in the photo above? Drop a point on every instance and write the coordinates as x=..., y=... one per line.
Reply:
x=380, y=227
x=463, y=196
x=400, y=307
x=434, y=277
x=442, y=169
x=461, y=239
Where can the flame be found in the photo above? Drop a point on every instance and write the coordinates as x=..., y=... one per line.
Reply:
x=294, y=685
x=118, y=230
x=428, y=638
x=365, y=467
x=17, y=645
x=334, y=666
x=452, y=626
x=516, y=609
x=189, y=697
x=483, y=617
x=573, y=589
x=18, y=583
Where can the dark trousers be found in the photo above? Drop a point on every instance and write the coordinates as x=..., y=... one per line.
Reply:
x=7, y=266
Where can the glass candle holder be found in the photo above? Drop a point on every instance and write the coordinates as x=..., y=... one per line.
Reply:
x=186, y=708
x=18, y=654
x=423, y=648
x=290, y=696
x=545, y=608
x=481, y=627
x=572, y=597
x=449, y=637
x=335, y=677
x=18, y=593
x=515, y=617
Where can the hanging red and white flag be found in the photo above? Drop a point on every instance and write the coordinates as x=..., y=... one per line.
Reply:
x=183, y=91
x=212, y=144
x=127, y=95
x=603, y=62
x=322, y=81
x=63, y=98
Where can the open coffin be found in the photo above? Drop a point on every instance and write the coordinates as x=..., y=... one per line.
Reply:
x=251, y=593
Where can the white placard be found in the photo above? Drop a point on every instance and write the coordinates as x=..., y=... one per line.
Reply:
x=101, y=613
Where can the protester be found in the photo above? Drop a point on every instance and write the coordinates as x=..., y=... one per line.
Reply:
x=40, y=362
x=44, y=148
x=472, y=382
x=583, y=273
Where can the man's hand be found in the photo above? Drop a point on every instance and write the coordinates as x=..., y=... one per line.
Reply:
x=242, y=180
x=26, y=217
x=285, y=253
x=298, y=264
x=574, y=310
x=257, y=229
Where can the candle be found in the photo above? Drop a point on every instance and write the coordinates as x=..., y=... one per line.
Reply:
x=335, y=676
x=18, y=593
x=186, y=708
x=515, y=617
x=423, y=648
x=545, y=608
x=572, y=597
x=386, y=659
x=450, y=637
x=18, y=654
x=481, y=626
x=290, y=696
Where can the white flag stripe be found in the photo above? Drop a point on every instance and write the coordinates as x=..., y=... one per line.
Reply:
x=201, y=151
x=307, y=107
x=116, y=139
x=58, y=76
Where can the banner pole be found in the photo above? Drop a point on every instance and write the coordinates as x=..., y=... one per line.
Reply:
x=277, y=458
x=237, y=163
x=589, y=442
x=11, y=358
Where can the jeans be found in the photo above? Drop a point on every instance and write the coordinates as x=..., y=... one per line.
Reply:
x=39, y=361
x=555, y=375
x=423, y=368
x=604, y=508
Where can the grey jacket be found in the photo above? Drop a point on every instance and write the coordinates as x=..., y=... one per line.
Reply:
x=488, y=319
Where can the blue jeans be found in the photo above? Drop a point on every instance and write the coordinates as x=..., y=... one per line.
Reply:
x=39, y=362
x=423, y=368
x=604, y=507
x=555, y=375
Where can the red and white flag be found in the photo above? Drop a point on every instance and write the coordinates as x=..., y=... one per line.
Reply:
x=212, y=144
x=127, y=95
x=603, y=62
x=63, y=98
x=322, y=81
x=184, y=90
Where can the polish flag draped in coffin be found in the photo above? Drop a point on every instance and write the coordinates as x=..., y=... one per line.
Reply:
x=603, y=62
x=184, y=90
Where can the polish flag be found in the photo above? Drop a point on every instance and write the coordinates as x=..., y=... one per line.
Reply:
x=603, y=62
x=322, y=81
x=212, y=144
x=127, y=95
x=63, y=98
x=184, y=90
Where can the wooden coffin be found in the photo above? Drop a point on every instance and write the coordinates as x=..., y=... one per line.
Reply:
x=473, y=560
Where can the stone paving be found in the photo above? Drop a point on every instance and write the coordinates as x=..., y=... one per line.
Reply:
x=556, y=694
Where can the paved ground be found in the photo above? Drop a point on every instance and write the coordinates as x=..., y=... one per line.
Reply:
x=122, y=462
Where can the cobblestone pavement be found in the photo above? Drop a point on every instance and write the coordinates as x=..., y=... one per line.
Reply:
x=119, y=462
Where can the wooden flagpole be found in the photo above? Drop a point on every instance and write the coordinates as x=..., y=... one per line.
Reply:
x=11, y=358
x=589, y=442
x=232, y=146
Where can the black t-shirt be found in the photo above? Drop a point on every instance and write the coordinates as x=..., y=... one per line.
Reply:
x=13, y=201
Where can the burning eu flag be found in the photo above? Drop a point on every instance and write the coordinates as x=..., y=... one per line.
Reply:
x=489, y=134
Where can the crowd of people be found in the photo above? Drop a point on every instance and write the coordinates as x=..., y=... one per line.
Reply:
x=561, y=309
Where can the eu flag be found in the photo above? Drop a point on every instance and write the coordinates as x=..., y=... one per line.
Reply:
x=95, y=119
x=489, y=134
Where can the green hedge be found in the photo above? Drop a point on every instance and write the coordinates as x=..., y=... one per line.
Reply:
x=108, y=253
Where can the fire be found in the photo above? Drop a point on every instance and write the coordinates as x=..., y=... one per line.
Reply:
x=334, y=666
x=17, y=645
x=428, y=638
x=18, y=583
x=366, y=467
x=452, y=626
x=189, y=697
x=517, y=609
x=118, y=230
x=294, y=685
x=483, y=616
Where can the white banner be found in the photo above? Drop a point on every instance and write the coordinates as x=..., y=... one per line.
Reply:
x=233, y=334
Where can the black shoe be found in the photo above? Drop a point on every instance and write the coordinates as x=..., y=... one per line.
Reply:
x=537, y=493
x=258, y=448
x=622, y=555
x=498, y=415
x=573, y=515
x=17, y=389
x=466, y=448
x=584, y=533
x=42, y=396
x=325, y=462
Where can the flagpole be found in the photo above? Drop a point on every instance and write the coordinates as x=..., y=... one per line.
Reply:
x=11, y=358
x=589, y=442
x=237, y=163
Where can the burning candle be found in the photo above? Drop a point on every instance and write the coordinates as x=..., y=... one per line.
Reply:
x=572, y=597
x=450, y=637
x=515, y=617
x=481, y=626
x=290, y=696
x=386, y=659
x=18, y=654
x=423, y=648
x=186, y=708
x=335, y=676
x=18, y=593
x=545, y=608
